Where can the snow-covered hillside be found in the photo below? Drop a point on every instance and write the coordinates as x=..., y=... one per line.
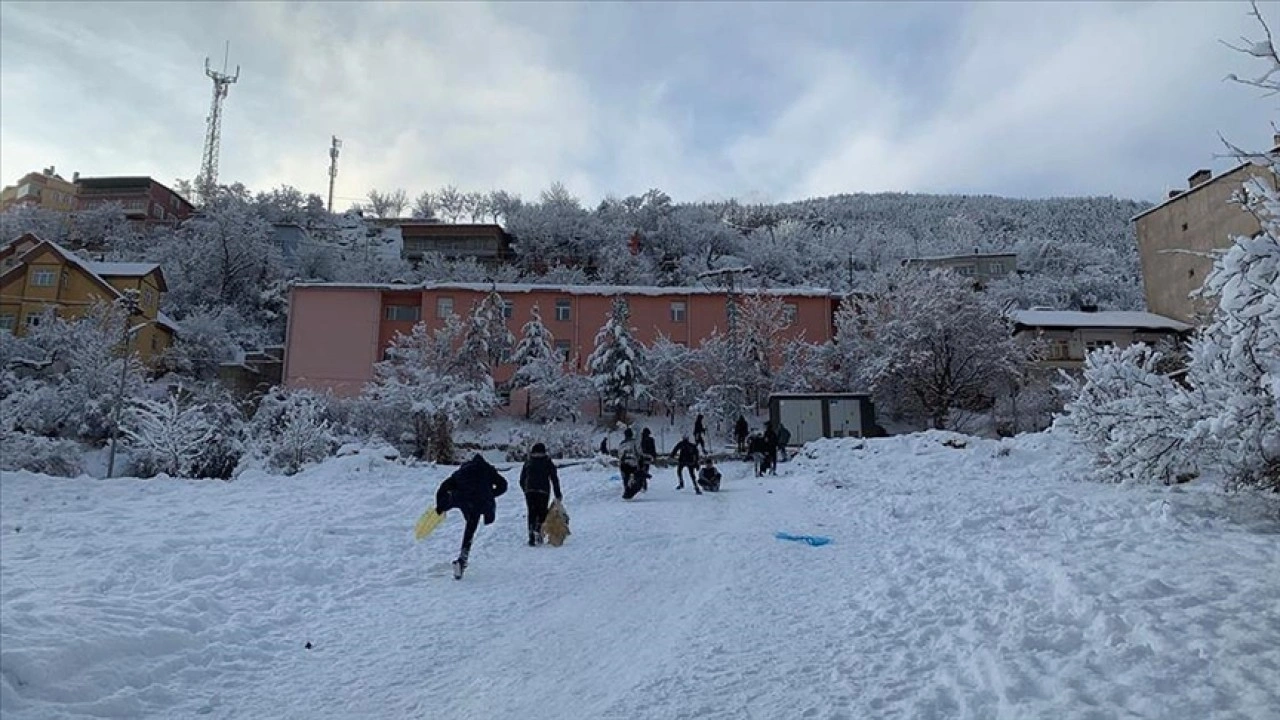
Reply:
x=973, y=582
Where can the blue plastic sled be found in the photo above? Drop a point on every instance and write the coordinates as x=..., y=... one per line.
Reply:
x=812, y=540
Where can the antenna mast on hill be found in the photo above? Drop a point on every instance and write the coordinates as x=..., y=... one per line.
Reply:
x=333, y=167
x=207, y=181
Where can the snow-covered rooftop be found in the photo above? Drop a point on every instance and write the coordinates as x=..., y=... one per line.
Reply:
x=512, y=288
x=1105, y=319
x=962, y=256
x=128, y=269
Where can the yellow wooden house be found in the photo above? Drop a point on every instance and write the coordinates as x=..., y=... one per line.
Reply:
x=39, y=274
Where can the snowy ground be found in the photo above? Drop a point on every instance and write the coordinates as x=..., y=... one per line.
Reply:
x=962, y=583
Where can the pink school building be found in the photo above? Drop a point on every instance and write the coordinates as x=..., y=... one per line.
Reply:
x=337, y=331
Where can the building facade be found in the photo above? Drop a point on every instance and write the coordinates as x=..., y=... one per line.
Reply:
x=1070, y=335
x=144, y=199
x=45, y=189
x=1176, y=237
x=485, y=243
x=336, y=332
x=981, y=267
x=37, y=275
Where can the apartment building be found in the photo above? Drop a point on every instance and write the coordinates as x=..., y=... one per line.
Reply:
x=45, y=189
x=1176, y=237
x=144, y=199
x=336, y=331
x=981, y=267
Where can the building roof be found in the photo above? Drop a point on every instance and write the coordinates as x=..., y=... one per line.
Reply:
x=115, y=183
x=970, y=256
x=1105, y=319
x=513, y=288
x=1188, y=191
x=124, y=269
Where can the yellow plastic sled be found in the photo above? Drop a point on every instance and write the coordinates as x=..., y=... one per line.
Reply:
x=428, y=522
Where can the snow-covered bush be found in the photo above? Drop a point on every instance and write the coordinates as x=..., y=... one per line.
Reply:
x=562, y=441
x=671, y=365
x=290, y=429
x=1130, y=415
x=51, y=456
x=167, y=436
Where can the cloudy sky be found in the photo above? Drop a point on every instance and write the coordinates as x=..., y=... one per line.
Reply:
x=703, y=100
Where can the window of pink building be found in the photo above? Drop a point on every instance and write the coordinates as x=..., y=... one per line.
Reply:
x=563, y=347
x=564, y=309
x=678, y=311
x=444, y=307
x=789, y=311
x=411, y=313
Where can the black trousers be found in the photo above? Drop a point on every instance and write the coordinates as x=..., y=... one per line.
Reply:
x=693, y=472
x=700, y=439
x=468, y=534
x=537, y=503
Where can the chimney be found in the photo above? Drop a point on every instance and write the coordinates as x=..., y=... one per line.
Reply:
x=1275, y=140
x=1089, y=308
x=48, y=172
x=1174, y=193
x=1198, y=178
x=75, y=176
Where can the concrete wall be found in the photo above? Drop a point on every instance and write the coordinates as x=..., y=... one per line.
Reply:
x=1198, y=221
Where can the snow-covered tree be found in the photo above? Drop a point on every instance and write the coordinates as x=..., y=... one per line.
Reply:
x=927, y=343
x=536, y=345
x=487, y=342
x=616, y=365
x=1130, y=414
x=423, y=382
x=291, y=429
x=761, y=320
x=671, y=367
x=167, y=436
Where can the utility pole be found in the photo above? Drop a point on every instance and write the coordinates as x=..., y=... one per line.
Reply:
x=333, y=167
x=130, y=305
x=207, y=181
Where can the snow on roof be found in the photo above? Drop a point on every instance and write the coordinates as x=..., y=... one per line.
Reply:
x=122, y=268
x=1105, y=319
x=513, y=288
x=970, y=256
x=168, y=322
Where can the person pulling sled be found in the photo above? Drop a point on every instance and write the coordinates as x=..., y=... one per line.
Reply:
x=630, y=465
x=471, y=489
x=539, y=480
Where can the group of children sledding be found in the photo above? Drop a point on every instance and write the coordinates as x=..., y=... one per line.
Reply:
x=473, y=488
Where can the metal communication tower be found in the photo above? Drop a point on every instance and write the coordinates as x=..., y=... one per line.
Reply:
x=333, y=167
x=208, y=179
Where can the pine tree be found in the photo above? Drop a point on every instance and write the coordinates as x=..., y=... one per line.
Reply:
x=616, y=365
x=536, y=346
x=487, y=342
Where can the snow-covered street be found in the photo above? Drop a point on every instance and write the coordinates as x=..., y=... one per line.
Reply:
x=974, y=582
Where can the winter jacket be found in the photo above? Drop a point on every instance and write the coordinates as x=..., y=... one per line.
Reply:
x=698, y=427
x=756, y=444
x=539, y=476
x=648, y=447
x=740, y=428
x=685, y=453
x=472, y=489
x=784, y=436
x=709, y=479
x=629, y=453
x=770, y=441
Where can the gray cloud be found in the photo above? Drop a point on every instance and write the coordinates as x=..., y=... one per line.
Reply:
x=703, y=100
